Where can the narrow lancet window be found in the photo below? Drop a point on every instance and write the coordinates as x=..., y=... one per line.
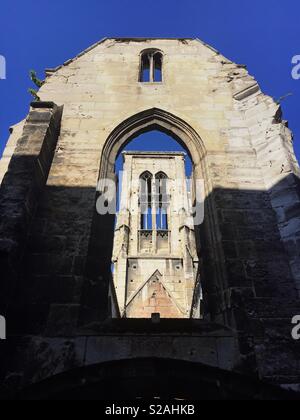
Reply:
x=145, y=69
x=146, y=201
x=162, y=201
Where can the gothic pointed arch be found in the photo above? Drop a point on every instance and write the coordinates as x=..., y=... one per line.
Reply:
x=98, y=269
x=161, y=175
x=145, y=200
x=146, y=121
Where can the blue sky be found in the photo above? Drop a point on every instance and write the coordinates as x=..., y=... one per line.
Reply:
x=264, y=35
x=155, y=140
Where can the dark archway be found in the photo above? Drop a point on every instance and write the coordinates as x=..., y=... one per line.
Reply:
x=96, y=305
x=153, y=379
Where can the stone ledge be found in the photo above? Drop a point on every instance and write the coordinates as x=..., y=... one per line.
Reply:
x=249, y=91
x=165, y=326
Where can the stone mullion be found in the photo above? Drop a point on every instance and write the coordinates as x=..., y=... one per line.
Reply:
x=151, y=60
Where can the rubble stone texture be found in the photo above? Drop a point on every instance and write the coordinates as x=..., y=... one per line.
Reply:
x=55, y=250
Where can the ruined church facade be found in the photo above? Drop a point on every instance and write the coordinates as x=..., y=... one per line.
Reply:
x=66, y=331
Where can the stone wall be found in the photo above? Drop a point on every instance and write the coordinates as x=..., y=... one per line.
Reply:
x=21, y=188
x=250, y=237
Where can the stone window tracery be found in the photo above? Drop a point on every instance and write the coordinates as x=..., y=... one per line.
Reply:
x=151, y=66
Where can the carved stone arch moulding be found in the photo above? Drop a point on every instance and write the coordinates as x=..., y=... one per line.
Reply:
x=145, y=121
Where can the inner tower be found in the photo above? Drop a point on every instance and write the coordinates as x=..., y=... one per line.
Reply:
x=155, y=262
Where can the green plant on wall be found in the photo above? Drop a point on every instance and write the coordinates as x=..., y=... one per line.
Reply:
x=38, y=83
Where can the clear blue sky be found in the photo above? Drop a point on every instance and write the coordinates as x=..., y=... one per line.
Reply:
x=264, y=35
x=155, y=141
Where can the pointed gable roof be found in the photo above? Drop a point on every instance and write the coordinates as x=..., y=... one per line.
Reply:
x=158, y=299
x=50, y=71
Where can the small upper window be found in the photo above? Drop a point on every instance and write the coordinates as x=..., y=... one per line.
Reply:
x=151, y=66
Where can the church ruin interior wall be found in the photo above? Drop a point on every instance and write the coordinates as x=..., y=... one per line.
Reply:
x=250, y=257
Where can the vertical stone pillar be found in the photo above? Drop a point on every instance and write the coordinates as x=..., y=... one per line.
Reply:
x=21, y=187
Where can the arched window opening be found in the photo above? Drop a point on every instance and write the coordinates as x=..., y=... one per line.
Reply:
x=145, y=69
x=151, y=67
x=146, y=201
x=154, y=248
x=158, y=67
x=162, y=201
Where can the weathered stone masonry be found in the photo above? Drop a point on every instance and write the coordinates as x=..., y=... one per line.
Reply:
x=56, y=251
x=21, y=187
